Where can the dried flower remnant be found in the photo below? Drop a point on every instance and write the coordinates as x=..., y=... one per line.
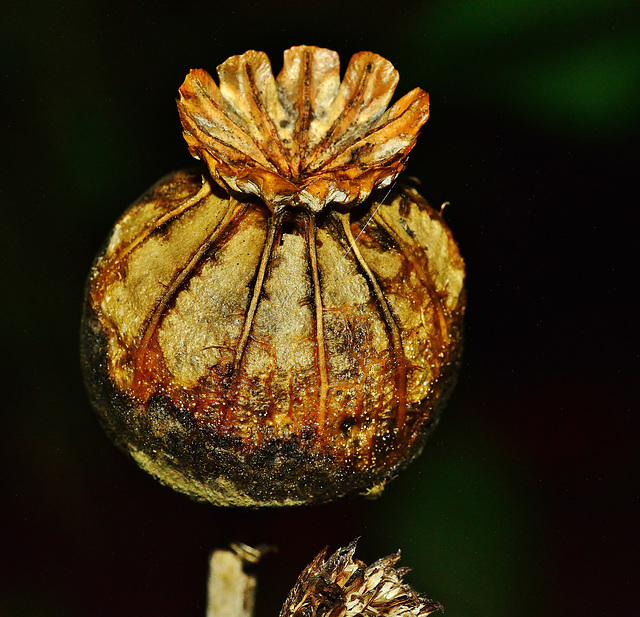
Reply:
x=274, y=330
x=342, y=586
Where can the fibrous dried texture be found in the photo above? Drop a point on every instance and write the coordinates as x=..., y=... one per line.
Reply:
x=342, y=586
x=252, y=354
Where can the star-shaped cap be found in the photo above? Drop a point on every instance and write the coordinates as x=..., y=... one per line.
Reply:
x=304, y=138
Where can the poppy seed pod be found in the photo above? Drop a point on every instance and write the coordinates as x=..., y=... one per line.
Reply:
x=277, y=327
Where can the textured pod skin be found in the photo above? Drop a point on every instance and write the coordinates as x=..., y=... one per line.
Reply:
x=253, y=358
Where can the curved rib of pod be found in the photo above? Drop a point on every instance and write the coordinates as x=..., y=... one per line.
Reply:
x=390, y=322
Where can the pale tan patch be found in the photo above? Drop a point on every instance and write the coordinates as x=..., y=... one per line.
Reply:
x=204, y=326
x=152, y=265
x=285, y=315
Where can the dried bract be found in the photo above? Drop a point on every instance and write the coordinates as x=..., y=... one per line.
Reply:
x=273, y=330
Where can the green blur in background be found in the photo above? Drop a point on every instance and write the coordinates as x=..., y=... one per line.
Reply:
x=525, y=500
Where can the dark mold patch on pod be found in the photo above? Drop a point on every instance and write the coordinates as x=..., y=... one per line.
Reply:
x=273, y=329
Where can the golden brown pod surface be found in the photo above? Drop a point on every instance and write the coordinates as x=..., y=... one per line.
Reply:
x=260, y=350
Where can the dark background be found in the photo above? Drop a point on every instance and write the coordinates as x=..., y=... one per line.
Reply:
x=525, y=501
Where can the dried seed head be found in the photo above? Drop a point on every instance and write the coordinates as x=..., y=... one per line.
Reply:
x=342, y=586
x=247, y=341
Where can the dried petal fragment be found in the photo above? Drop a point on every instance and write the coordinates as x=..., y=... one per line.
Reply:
x=303, y=139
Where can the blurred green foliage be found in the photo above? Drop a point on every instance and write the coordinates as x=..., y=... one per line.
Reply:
x=465, y=521
x=564, y=66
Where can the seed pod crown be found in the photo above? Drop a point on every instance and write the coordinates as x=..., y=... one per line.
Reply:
x=304, y=138
x=271, y=329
